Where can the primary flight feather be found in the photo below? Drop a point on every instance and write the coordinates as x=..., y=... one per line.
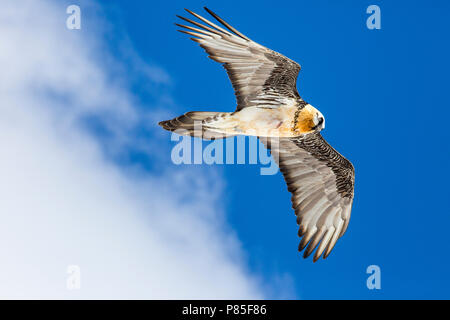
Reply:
x=268, y=106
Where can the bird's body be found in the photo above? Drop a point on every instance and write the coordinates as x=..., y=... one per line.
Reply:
x=268, y=106
x=285, y=121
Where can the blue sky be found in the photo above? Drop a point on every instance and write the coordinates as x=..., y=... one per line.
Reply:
x=383, y=92
x=384, y=95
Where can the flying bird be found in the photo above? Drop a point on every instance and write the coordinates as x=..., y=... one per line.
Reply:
x=320, y=179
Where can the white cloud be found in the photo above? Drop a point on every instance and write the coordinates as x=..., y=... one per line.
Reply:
x=63, y=202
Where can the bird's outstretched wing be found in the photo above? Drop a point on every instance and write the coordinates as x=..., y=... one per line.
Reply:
x=259, y=75
x=321, y=182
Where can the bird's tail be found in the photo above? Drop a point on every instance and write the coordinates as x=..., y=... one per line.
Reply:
x=199, y=124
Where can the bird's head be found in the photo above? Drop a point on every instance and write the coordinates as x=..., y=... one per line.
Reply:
x=309, y=120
